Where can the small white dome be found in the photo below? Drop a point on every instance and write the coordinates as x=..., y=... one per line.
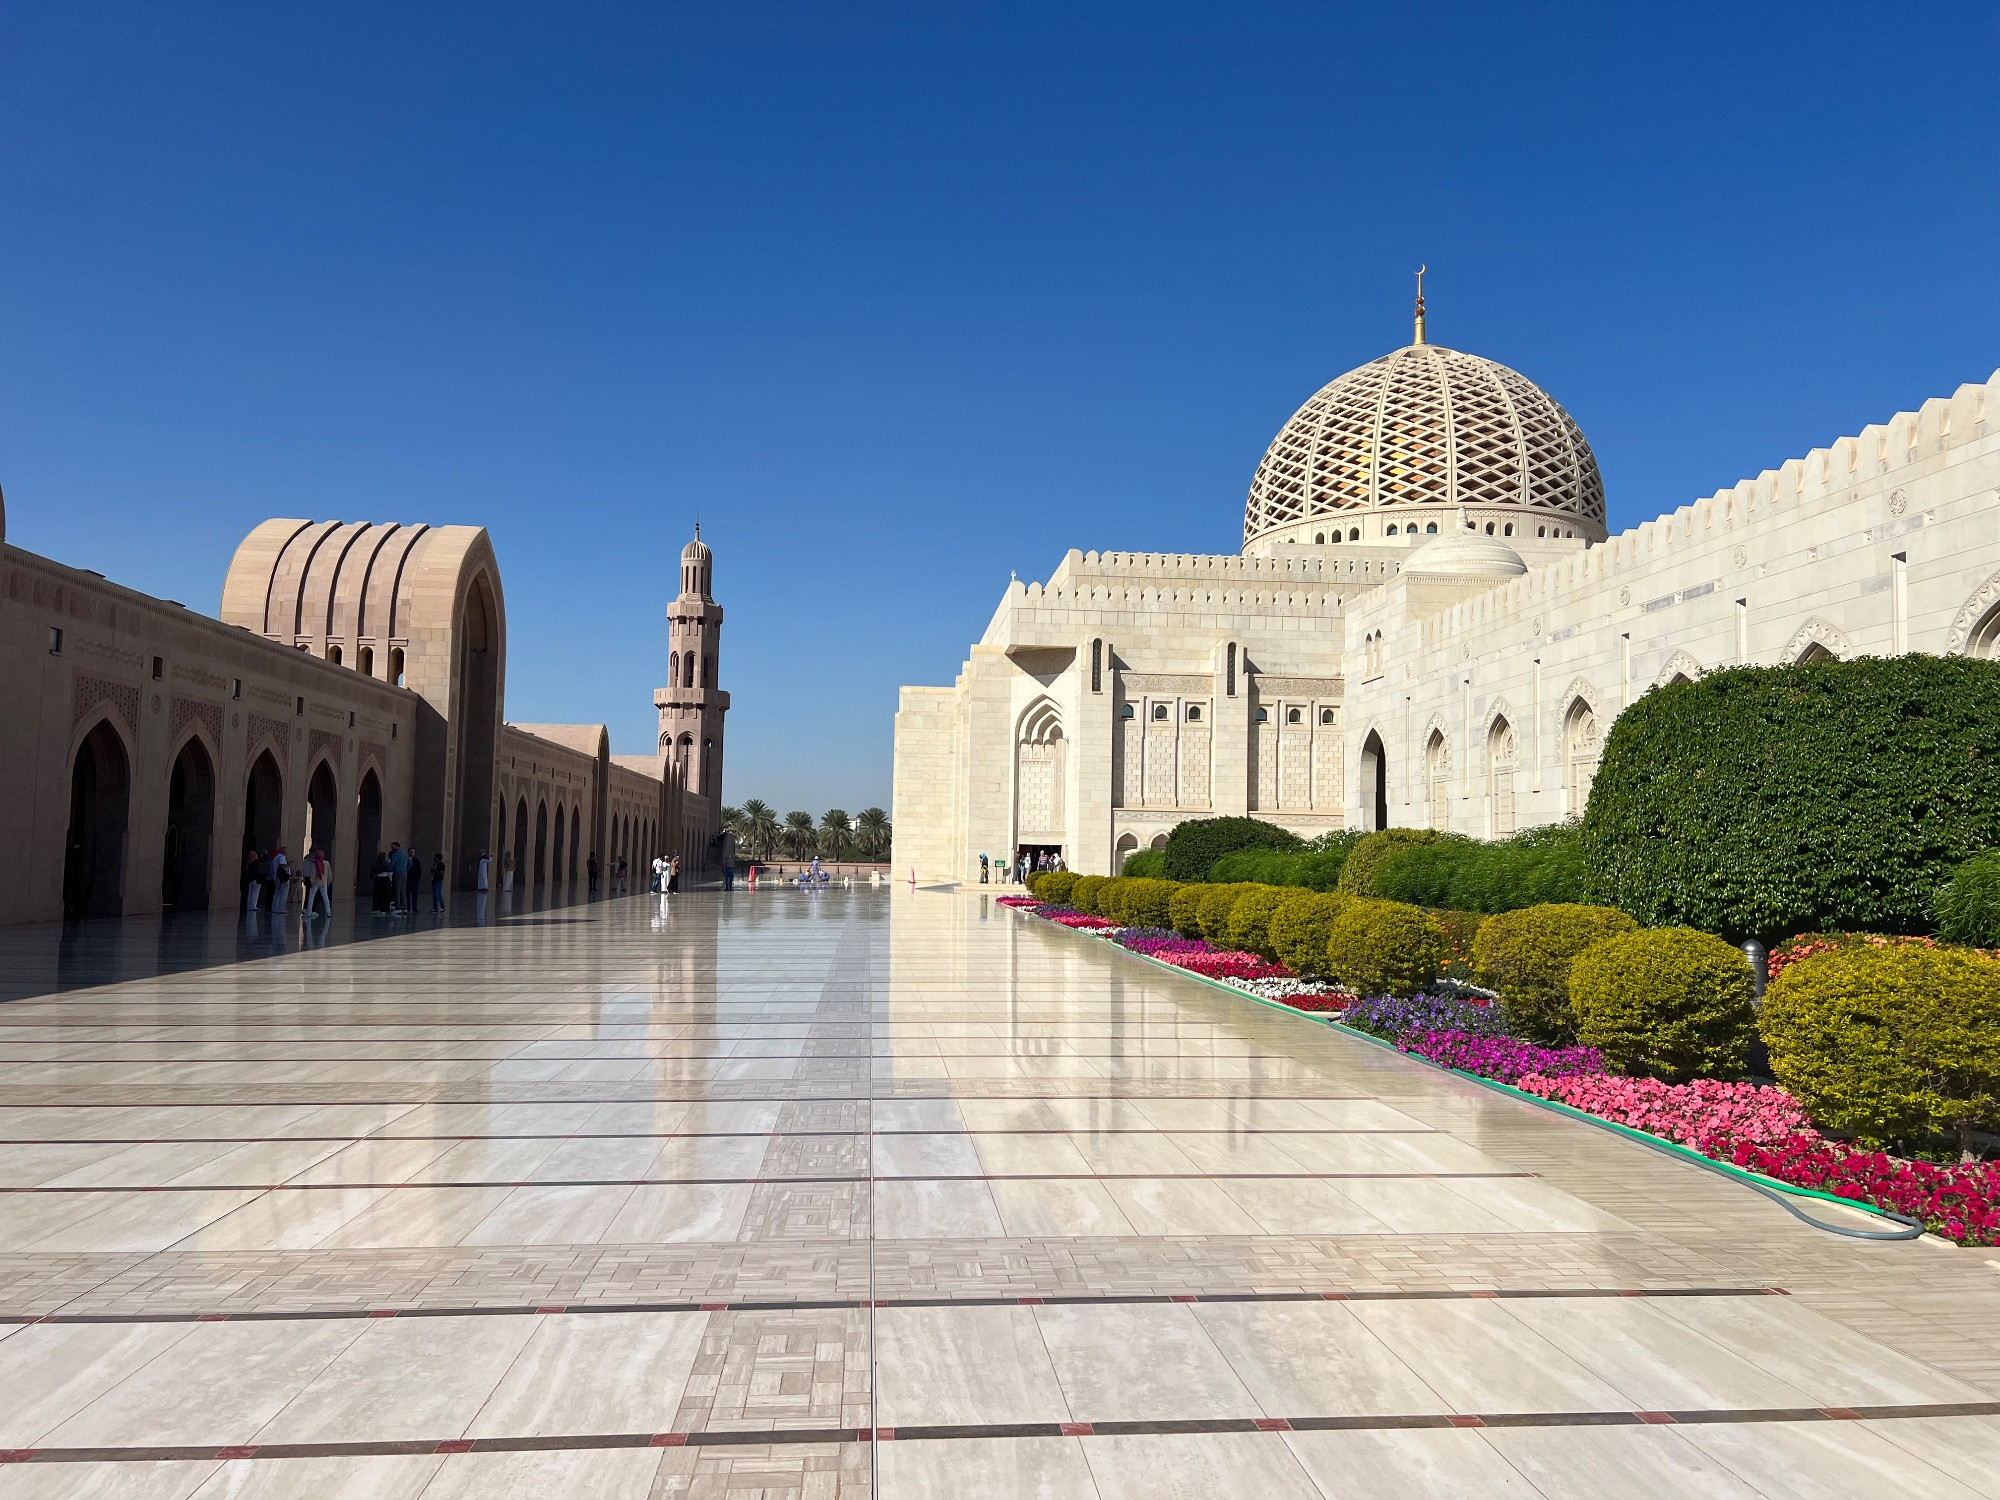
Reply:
x=1464, y=554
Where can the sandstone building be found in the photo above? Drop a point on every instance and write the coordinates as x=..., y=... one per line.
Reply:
x=352, y=693
x=1428, y=624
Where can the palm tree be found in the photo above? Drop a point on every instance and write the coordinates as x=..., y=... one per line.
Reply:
x=760, y=828
x=871, y=831
x=800, y=835
x=834, y=834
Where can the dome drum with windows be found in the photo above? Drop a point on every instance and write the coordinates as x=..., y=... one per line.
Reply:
x=1421, y=442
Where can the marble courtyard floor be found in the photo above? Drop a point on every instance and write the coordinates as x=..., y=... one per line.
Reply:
x=813, y=1196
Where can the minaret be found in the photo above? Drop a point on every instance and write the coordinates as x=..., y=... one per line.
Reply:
x=691, y=705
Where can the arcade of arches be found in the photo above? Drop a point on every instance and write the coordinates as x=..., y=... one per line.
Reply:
x=350, y=696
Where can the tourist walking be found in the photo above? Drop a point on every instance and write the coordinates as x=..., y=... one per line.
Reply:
x=728, y=863
x=382, y=885
x=591, y=866
x=485, y=873
x=319, y=884
x=252, y=881
x=437, y=883
x=982, y=869
x=399, y=875
x=674, y=874
x=281, y=880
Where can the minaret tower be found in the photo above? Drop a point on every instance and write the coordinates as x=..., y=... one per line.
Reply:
x=691, y=705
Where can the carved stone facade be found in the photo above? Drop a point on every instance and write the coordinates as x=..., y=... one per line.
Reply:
x=1450, y=659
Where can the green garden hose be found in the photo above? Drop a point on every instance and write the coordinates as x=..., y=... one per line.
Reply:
x=1780, y=1193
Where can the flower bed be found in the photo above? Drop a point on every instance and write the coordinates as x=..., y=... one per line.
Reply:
x=1503, y=1058
x=1028, y=901
x=1759, y=1129
x=1701, y=1114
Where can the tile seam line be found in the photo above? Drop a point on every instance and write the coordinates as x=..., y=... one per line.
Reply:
x=521, y=1182
x=831, y=1304
x=935, y=1432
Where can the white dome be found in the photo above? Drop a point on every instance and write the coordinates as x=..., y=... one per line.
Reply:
x=1430, y=429
x=1464, y=554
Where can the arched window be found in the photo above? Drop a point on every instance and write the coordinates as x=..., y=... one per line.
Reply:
x=1437, y=780
x=1500, y=777
x=1194, y=713
x=1354, y=533
x=1431, y=529
x=333, y=655
x=367, y=662
x=1159, y=710
x=1126, y=711
x=1580, y=750
x=1294, y=716
x=673, y=668
x=396, y=665
x=1326, y=716
x=1392, y=531
x=1814, y=652
x=1319, y=538
x=1508, y=530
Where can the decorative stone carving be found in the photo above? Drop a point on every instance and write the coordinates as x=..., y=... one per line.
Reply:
x=276, y=730
x=327, y=741
x=188, y=711
x=1815, y=632
x=378, y=754
x=1680, y=664
x=1970, y=616
x=87, y=692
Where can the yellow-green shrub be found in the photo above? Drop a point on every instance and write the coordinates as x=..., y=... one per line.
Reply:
x=1054, y=886
x=1526, y=955
x=1184, y=907
x=1138, y=901
x=1300, y=928
x=1889, y=1045
x=1671, y=1003
x=1250, y=918
x=1214, y=911
x=1384, y=947
x=1083, y=895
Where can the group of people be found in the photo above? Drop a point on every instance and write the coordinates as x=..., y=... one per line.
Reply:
x=667, y=875
x=270, y=879
x=396, y=881
x=1028, y=863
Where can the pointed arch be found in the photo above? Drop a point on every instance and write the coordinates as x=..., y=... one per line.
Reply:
x=1679, y=667
x=100, y=802
x=1437, y=778
x=1501, y=758
x=1975, y=630
x=1372, y=778
x=1039, y=764
x=1816, y=640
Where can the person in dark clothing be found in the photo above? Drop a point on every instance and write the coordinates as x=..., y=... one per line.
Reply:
x=383, y=880
x=437, y=883
x=399, y=875
x=591, y=865
x=413, y=882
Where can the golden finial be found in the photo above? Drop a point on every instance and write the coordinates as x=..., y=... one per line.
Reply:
x=1420, y=304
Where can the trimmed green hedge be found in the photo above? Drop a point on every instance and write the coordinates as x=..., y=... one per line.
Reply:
x=1194, y=846
x=1891, y=1045
x=1300, y=928
x=1525, y=956
x=1304, y=869
x=1250, y=919
x=1184, y=908
x=1137, y=901
x=1147, y=864
x=1670, y=1003
x=1357, y=875
x=1213, y=913
x=1766, y=801
x=1539, y=867
x=1083, y=895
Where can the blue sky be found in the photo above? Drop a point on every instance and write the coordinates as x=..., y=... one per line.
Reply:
x=902, y=298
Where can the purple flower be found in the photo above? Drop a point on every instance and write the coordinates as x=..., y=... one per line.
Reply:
x=1393, y=1019
x=1503, y=1058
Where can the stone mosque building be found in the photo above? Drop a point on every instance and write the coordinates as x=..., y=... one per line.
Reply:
x=351, y=694
x=1428, y=625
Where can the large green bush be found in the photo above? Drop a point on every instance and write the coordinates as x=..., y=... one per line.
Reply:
x=1250, y=918
x=1894, y=1046
x=1139, y=902
x=1533, y=868
x=1194, y=846
x=1300, y=928
x=1384, y=947
x=1765, y=801
x=1214, y=911
x=1525, y=957
x=1357, y=875
x=1304, y=868
x=1083, y=895
x=1145, y=864
x=1968, y=907
x=1054, y=886
x=1670, y=1003
x=1184, y=908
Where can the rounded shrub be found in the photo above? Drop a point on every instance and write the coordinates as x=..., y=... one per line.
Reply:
x=1250, y=918
x=1890, y=1045
x=1968, y=907
x=1536, y=867
x=1384, y=947
x=1083, y=895
x=1194, y=846
x=1670, y=1003
x=1214, y=911
x=1300, y=927
x=1110, y=898
x=1184, y=908
x=1525, y=956
x=1054, y=886
x=1140, y=902
x=1766, y=801
x=1357, y=874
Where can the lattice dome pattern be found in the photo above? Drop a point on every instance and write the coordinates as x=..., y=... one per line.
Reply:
x=1432, y=427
